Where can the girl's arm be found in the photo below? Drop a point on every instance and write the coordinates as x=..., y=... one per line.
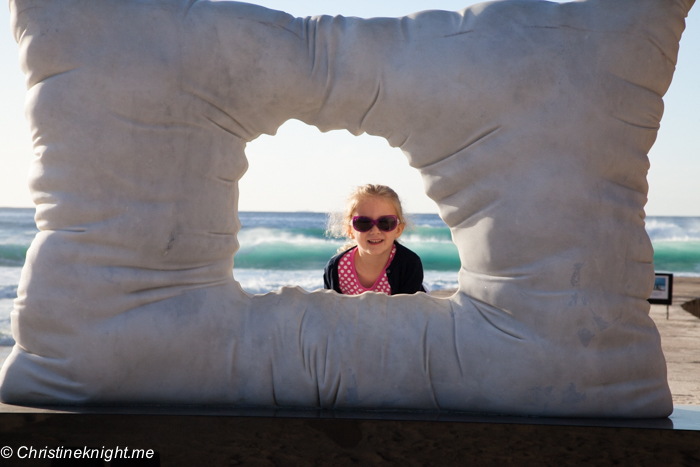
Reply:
x=330, y=275
x=327, y=277
x=413, y=276
x=406, y=272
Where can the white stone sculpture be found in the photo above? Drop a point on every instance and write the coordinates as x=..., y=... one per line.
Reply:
x=529, y=121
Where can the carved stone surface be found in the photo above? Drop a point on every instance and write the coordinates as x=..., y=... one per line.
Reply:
x=529, y=121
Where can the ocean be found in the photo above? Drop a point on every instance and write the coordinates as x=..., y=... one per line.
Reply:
x=281, y=248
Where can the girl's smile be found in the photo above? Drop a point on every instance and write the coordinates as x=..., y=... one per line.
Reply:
x=375, y=243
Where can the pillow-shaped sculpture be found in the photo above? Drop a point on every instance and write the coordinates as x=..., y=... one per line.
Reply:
x=530, y=122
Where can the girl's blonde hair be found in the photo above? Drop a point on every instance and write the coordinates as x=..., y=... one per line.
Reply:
x=339, y=223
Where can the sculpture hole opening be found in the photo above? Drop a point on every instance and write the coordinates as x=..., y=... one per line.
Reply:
x=296, y=178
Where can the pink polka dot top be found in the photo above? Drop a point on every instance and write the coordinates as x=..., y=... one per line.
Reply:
x=350, y=283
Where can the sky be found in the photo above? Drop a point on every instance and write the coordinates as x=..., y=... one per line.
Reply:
x=337, y=161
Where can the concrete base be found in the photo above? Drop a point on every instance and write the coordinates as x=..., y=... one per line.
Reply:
x=186, y=436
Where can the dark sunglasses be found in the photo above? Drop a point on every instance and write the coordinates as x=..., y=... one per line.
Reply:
x=384, y=223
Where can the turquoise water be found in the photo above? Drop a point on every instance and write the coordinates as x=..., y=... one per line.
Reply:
x=682, y=258
x=298, y=249
x=297, y=241
x=278, y=249
x=676, y=243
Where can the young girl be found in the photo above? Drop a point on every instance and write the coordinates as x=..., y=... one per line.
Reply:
x=373, y=260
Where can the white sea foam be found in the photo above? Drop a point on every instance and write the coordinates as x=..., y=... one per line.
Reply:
x=418, y=239
x=9, y=278
x=249, y=238
x=9, y=275
x=259, y=281
x=673, y=229
x=438, y=280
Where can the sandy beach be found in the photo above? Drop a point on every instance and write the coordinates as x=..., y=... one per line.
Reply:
x=680, y=339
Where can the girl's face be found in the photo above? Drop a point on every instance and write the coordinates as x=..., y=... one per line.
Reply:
x=375, y=241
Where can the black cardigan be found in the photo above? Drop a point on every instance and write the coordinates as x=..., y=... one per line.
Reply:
x=405, y=273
